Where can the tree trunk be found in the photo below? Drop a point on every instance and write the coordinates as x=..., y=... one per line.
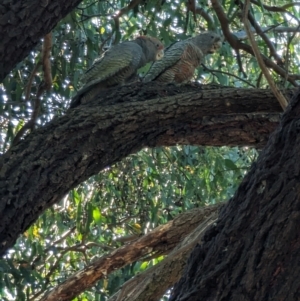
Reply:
x=252, y=252
x=42, y=168
x=22, y=25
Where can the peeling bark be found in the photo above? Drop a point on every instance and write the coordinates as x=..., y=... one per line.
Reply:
x=253, y=251
x=42, y=168
x=160, y=241
x=155, y=281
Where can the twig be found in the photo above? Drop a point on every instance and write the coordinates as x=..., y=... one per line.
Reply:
x=45, y=85
x=229, y=74
x=163, y=237
x=46, y=53
x=280, y=97
x=87, y=6
x=192, y=7
x=103, y=43
x=242, y=35
x=287, y=57
x=123, y=11
x=259, y=80
x=31, y=77
x=236, y=44
x=239, y=61
x=276, y=8
x=266, y=39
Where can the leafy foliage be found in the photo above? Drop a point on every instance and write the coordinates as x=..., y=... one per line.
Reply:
x=127, y=199
x=146, y=189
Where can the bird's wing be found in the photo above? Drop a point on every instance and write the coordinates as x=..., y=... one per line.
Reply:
x=172, y=55
x=121, y=56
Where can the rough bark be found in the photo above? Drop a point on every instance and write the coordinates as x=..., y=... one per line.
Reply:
x=22, y=25
x=252, y=253
x=41, y=169
x=155, y=281
x=160, y=241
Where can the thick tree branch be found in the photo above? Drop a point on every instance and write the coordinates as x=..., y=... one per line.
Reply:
x=155, y=281
x=160, y=241
x=22, y=25
x=49, y=162
x=251, y=252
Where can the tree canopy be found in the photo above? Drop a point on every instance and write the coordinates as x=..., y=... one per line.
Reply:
x=81, y=189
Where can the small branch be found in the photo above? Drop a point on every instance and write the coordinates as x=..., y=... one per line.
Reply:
x=46, y=53
x=281, y=9
x=287, y=57
x=163, y=238
x=63, y=237
x=87, y=6
x=103, y=44
x=280, y=97
x=45, y=85
x=258, y=81
x=123, y=11
x=229, y=74
x=31, y=77
x=192, y=7
x=236, y=44
x=239, y=61
x=242, y=35
x=266, y=39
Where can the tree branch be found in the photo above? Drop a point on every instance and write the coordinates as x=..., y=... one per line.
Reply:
x=283, y=102
x=191, y=6
x=155, y=281
x=123, y=11
x=281, y=9
x=265, y=38
x=88, y=138
x=21, y=31
x=45, y=85
x=161, y=240
x=236, y=44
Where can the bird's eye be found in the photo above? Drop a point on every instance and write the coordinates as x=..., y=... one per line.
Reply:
x=157, y=45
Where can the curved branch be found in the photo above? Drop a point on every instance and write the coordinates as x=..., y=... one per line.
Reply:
x=191, y=6
x=155, y=281
x=21, y=31
x=213, y=71
x=41, y=169
x=159, y=241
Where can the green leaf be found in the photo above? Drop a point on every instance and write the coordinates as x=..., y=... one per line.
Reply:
x=97, y=216
x=230, y=164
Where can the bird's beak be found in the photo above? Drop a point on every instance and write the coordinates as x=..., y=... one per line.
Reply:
x=159, y=55
x=215, y=47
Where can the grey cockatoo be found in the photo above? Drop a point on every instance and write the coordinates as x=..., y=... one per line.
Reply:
x=117, y=66
x=182, y=58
